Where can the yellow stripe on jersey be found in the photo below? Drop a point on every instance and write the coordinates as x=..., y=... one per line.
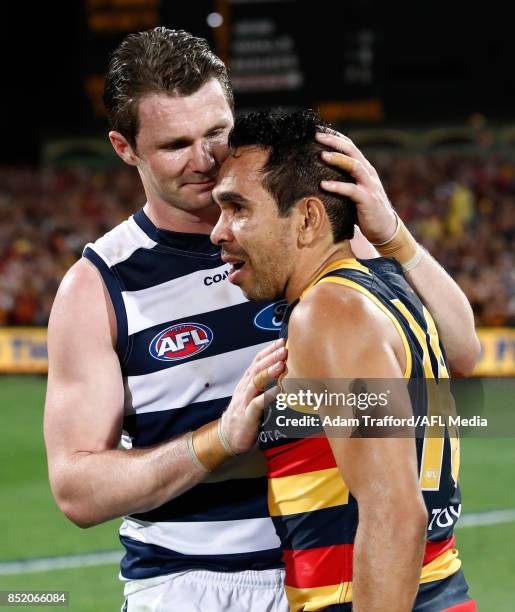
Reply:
x=347, y=264
x=438, y=403
x=435, y=344
x=443, y=566
x=455, y=455
x=354, y=285
x=445, y=397
x=420, y=335
x=319, y=597
x=434, y=441
x=306, y=492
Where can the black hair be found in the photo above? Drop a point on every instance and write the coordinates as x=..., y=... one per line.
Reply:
x=294, y=167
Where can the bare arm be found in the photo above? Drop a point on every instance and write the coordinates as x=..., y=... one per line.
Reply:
x=355, y=340
x=92, y=480
x=437, y=290
x=451, y=311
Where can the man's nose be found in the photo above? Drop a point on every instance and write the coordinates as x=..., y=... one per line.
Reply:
x=202, y=157
x=221, y=232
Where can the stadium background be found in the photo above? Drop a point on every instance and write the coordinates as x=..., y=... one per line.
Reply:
x=426, y=94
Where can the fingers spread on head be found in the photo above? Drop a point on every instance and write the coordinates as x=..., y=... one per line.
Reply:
x=344, y=162
x=328, y=130
x=335, y=140
x=343, y=144
x=350, y=190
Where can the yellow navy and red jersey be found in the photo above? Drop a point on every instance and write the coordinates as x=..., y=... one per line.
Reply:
x=314, y=513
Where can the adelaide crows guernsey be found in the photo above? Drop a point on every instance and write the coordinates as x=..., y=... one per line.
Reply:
x=315, y=514
x=185, y=337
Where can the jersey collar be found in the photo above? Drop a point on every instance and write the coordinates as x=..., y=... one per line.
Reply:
x=198, y=243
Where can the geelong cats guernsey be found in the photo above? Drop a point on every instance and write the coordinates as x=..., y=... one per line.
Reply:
x=185, y=336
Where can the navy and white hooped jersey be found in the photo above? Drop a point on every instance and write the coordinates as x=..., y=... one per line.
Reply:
x=185, y=337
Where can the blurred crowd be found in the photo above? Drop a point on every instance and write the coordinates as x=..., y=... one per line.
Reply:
x=462, y=208
x=47, y=216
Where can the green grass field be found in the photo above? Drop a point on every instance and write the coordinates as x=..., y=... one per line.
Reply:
x=34, y=527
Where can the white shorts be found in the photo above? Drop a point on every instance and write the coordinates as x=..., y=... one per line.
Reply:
x=206, y=591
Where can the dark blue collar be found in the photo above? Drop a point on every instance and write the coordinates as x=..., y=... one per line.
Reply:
x=197, y=243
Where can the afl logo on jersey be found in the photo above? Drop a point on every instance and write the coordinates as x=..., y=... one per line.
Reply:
x=180, y=341
x=271, y=317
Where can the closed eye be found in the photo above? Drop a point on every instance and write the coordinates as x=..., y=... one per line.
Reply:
x=176, y=145
x=215, y=133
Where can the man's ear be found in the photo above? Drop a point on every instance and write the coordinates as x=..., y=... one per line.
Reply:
x=123, y=148
x=312, y=218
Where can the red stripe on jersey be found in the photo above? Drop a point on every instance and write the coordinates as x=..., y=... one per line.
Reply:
x=307, y=455
x=318, y=567
x=466, y=606
x=435, y=549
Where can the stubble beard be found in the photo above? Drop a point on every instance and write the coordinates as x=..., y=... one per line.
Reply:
x=266, y=290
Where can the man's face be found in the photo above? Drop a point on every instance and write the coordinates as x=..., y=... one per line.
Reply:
x=181, y=144
x=258, y=243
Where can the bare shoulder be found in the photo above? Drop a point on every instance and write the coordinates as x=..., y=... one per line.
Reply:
x=336, y=329
x=331, y=307
x=80, y=280
x=82, y=306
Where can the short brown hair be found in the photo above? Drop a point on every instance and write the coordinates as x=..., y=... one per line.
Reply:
x=157, y=61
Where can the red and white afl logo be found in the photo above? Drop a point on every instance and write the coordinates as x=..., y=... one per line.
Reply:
x=180, y=341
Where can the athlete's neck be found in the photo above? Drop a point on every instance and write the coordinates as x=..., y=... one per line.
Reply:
x=168, y=217
x=307, y=271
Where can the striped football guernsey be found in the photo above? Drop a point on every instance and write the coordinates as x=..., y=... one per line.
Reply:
x=314, y=513
x=185, y=336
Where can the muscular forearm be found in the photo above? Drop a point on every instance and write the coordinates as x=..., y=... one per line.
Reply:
x=92, y=480
x=93, y=487
x=451, y=311
x=388, y=554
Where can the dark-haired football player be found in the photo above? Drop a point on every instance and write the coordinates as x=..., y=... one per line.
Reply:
x=365, y=522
